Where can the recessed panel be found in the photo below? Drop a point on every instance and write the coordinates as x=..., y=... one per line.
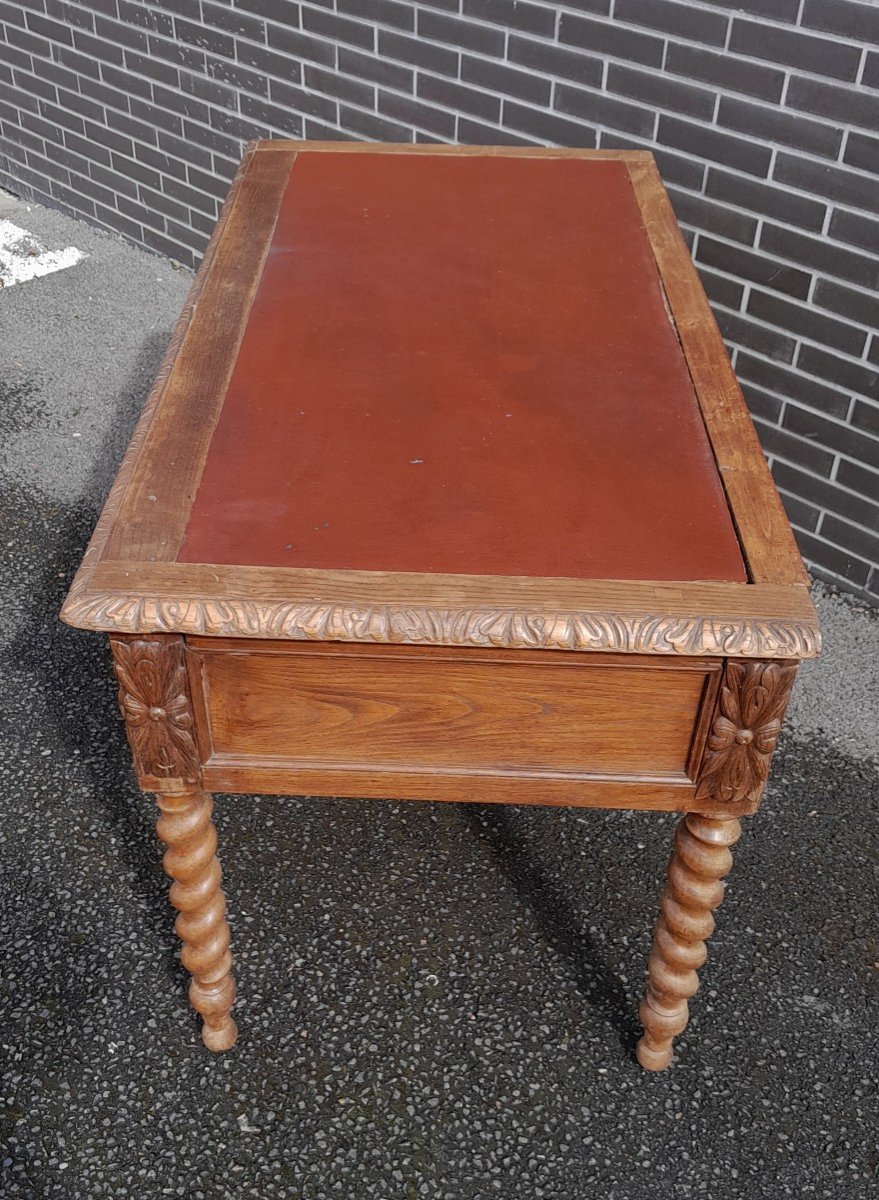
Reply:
x=400, y=713
x=462, y=365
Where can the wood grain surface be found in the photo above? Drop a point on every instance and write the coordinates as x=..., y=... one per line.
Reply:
x=399, y=712
x=187, y=829
x=764, y=530
x=694, y=888
x=155, y=507
x=453, y=724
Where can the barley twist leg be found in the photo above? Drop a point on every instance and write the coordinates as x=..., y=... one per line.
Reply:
x=694, y=888
x=186, y=828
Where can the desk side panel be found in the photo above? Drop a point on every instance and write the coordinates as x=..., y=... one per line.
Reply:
x=404, y=723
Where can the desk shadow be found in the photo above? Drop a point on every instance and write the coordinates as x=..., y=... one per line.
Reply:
x=72, y=670
x=595, y=980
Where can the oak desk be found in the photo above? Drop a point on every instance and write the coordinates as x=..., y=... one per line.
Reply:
x=446, y=491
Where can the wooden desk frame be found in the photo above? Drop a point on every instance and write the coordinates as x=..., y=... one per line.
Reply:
x=166, y=620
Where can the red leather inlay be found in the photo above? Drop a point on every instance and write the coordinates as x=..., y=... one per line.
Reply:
x=462, y=365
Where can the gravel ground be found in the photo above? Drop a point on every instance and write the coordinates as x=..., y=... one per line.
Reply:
x=436, y=1000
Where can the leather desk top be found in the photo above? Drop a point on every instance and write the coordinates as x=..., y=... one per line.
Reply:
x=463, y=365
x=448, y=395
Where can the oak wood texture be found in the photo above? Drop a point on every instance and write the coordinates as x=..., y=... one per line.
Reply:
x=533, y=688
x=764, y=530
x=636, y=617
x=154, y=508
x=155, y=703
x=694, y=888
x=186, y=828
x=450, y=724
x=147, y=512
x=745, y=729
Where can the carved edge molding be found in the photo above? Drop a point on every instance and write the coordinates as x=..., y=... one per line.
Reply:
x=744, y=733
x=154, y=700
x=481, y=627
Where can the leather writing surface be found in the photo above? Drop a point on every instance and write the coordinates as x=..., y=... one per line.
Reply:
x=462, y=365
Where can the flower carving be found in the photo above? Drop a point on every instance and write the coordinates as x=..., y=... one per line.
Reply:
x=753, y=699
x=154, y=701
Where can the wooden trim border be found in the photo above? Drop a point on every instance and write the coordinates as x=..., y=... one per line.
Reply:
x=154, y=511
x=764, y=532
x=227, y=774
x=729, y=620
x=112, y=505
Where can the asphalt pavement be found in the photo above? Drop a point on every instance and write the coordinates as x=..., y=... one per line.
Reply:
x=435, y=1000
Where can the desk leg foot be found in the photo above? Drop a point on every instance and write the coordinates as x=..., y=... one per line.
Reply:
x=694, y=888
x=186, y=828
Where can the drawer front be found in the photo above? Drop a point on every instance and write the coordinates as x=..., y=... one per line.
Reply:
x=379, y=715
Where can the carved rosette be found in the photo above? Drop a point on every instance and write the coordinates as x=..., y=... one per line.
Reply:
x=751, y=706
x=154, y=700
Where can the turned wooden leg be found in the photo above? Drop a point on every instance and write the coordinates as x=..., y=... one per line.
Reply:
x=186, y=828
x=694, y=888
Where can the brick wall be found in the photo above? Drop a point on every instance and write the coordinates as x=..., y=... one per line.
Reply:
x=764, y=117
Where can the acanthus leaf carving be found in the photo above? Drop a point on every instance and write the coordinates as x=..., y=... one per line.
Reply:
x=629, y=633
x=752, y=702
x=154, y=700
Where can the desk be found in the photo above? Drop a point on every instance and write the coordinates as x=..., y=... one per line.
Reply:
x=446, y=491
